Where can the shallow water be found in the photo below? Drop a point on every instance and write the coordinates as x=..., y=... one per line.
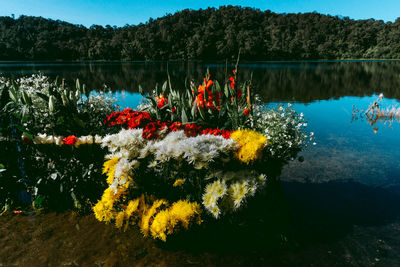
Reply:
x=342, y=200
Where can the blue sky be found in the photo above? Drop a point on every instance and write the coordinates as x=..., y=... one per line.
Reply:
x=119, y=13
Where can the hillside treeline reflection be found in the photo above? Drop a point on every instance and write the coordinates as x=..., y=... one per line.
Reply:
x=274, y=81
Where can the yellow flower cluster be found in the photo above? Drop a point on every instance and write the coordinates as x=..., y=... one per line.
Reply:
x=181, y=213
x=251, y=144
x=104, y=209
x=109, y=168
x=154, y=216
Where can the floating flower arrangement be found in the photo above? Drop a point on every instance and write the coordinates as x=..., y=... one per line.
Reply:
x=186, y=157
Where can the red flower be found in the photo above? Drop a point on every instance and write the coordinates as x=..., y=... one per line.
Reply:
x=149, y=134
x=175, y=126
x=161, y=101
x=246, y=112
x=152, y=127
x=233, y=82
x=192, y=129
x=70, y=140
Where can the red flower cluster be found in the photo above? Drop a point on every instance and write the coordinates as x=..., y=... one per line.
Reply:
x=201, y=101
x=132, y=119
x=161, y=101
x=224, y=133
x=232, y=79
x=151, y=128
x=70, y=140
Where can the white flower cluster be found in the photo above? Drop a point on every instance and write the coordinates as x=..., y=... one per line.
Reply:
x=284, y=129
x=130, y=148
x=58, y=140
x=199, y=150
x=125, y=144
x=229, y=191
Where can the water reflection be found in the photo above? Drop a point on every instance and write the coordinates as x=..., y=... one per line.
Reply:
x=275, y=81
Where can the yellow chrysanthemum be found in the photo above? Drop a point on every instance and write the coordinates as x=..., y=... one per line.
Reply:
x=104, y=209
x=251, y=144
x=180, y=213
x=178, y=182
x=109, y=168
x=159, y=227
x=132, y=207
x=119, y=219
x=149, y=214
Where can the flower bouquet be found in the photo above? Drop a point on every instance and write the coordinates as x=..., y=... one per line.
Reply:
x=189, y=156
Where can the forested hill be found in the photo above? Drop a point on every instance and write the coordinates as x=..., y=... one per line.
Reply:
x=203, y=34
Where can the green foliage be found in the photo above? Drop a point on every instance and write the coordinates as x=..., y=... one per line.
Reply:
x=203, y=34
x=42, y=106
x=64, y=177
x=206, y=104
x=50, y=176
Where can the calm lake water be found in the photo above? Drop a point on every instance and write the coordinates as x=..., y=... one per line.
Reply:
x=345, y=196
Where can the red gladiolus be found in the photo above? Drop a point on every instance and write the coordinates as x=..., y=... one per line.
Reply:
x=70, y=140
x=161, y=101
x=246, y=112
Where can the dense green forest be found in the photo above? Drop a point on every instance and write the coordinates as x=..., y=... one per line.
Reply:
x=203, y=34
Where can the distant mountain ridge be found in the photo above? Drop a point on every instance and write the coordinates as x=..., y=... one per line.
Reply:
x=205, y=34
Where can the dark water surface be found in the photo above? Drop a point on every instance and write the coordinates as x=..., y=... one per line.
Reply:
x=346, y=193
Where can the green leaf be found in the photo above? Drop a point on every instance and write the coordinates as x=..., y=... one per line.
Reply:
x=140, y=90
x=78, y=95
x=64, y=98
x=84, y=90
x=169, y=80
x=52, y=100
x=77, y=85
x=24, y=113
x=193, y=111
x=202, y=114
x=13, y=95
x=226, y=91
x=217, y=86
x=164, y=87
x=72, y=97
x=184, y=117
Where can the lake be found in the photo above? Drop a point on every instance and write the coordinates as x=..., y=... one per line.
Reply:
x=347, y=188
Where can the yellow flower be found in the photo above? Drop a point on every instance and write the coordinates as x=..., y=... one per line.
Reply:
x=238, y=191
x=119, y=219
x=178, y=182
x=132, y=207
x=147, y=218
x=104, y=209
x=109, y=168
x=180, y=213
x=251, y=144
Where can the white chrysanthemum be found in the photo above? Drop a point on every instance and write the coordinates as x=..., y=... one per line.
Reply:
x=86, y=139
x=238, y=191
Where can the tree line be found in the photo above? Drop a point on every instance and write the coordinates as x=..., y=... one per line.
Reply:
x=205, y=34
